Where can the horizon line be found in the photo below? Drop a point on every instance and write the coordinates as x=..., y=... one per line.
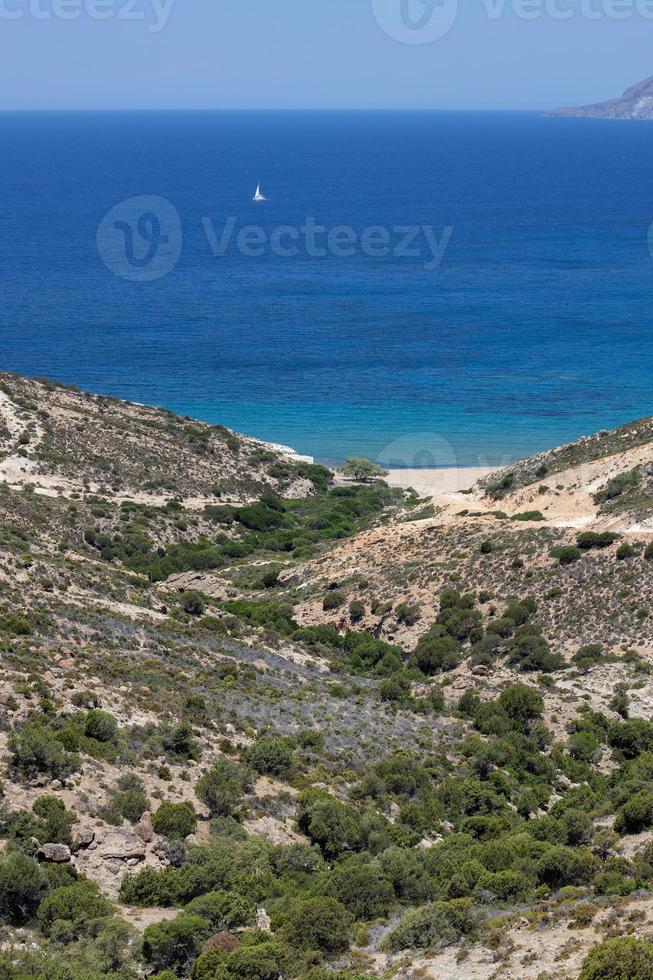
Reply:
x=80, y=109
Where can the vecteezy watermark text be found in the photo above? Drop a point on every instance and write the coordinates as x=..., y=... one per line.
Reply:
x=141, y=240
x=154, y=13
x=316, y=241
x=427, y=21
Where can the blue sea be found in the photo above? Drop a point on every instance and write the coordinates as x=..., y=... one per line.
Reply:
x=534, y=328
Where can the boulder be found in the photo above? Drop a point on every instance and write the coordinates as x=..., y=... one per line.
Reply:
x=84, y=838
x=123, y=853
x=144, y=828
x=54, y=853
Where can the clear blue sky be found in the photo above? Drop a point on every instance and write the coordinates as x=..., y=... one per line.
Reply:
x=315, y=54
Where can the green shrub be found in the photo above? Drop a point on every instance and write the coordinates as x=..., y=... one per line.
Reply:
x=267, y=960
x=561, y=866
x=22, y=886
x=587, y=540
x=193, y=603
x=224, y=910
x=310, y=738
x=319, y=923
x=332, y=825
x=127, y=800
x=434, y=926
x=271, y=756
x=57, y=820
x=175, y=820
x=333, y=600
x=566, y=554
x=370, y=654
x=265, y=515
x=631, y=737
x=72, y=909
x=403, y=774
x=395, y=689
x=220, y=513
x=505, y=885
x=521, y=703
x=356, y=610
x=613, y=883
x=15, y=624
x=583, y=746
x=625, y=958
x=408, y=613
x=501, y=486
x=617, y=485
x=588, y=654
x=176, y=943
x=222, y=788
x=100, y=725
x=270, y=614
x=436, y=654
x=530, y=651
x=363, y=470
x=35, y=750
x=636, y=814
x=359, y=888
x=180, y=740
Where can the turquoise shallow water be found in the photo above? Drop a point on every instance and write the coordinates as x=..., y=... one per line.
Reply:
x=534, y=329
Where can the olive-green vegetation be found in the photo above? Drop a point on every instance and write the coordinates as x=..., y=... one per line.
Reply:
x=430, y=762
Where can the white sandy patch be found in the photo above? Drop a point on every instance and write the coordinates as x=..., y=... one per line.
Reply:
x=17, y=469
x=433, y=482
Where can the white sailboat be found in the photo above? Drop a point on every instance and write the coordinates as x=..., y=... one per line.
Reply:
x=258, y=196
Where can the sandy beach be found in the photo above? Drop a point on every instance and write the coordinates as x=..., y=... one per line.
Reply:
x=433, y=482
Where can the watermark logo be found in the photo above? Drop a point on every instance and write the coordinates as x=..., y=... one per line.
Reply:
x=140, y=239
x=418, y=450
x=562, y=10
x=426, y=21
x=415, y=21
x=424, y=243
x=153, y=13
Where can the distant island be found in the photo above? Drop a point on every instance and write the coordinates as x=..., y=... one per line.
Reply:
x=635, y=103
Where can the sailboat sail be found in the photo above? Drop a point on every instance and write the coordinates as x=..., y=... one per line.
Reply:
x=258, y=196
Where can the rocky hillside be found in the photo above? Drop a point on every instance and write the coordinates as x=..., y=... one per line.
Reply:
x=259, y=723
x=635, y=103
x=604, y=481
x=58, y=439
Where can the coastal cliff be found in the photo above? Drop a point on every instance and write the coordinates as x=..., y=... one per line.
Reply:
x=635, y=103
